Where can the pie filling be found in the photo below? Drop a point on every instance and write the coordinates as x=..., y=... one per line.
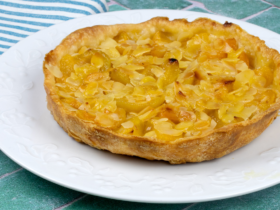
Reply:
x=164, y=85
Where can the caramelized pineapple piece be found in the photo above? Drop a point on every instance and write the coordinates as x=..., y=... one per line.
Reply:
x=91, y=89
x=266, y=73
x=84, y=115
x=120, y=75
x=140, y=50
x=73, y=80
x=133, y=126
x=193, y=48
x=158, y=51
x=85, y=57
x=172, y=72
x=97, y=77
x=165, y=131
x=171, y=113
x=105, y=120
x=101, y=60
x=161, y=37
x=84, y=70
x=138, y=128
x=136, y=106
x=109, y=119
x=232, y=43
x=122, y=37
x=265, y=99
x=67, y=63
x=244, y=58
x=97, y=60
x=72, y=102
x=219, y=44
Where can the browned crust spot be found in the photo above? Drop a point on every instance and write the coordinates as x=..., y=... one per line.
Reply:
x=227, y=24
x=228, y=82
x=173, y=60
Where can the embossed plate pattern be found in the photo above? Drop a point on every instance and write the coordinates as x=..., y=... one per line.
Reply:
x=31, y=137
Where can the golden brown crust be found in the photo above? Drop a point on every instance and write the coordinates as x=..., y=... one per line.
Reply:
x=214, y=144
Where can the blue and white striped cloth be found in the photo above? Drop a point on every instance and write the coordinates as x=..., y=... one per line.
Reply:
x=20, y=18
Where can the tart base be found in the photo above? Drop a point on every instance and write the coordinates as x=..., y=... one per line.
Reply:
x=210, y=145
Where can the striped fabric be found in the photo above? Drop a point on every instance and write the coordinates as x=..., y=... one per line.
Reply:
x=20, y=18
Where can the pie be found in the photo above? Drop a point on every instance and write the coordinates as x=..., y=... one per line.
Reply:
x=176, y=91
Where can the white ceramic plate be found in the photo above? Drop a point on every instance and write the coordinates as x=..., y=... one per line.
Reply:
x=31, y=137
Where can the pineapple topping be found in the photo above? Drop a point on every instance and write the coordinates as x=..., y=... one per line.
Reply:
x=163, y=85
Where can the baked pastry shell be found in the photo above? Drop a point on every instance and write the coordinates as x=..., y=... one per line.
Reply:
x=211, y=145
